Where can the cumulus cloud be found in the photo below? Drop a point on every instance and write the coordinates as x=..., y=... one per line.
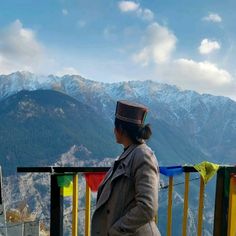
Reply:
x=159, y=44
x=19, y=49
x=213, y=17
x=130, y=6
x=203, y=77
x=126, y=6
x=145, y=14
x=207, y=46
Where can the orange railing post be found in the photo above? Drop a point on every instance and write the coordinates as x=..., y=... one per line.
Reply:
x=169, y=214
x=185, y=213
x=200, y=207
x=87, y=210
x=75, y=206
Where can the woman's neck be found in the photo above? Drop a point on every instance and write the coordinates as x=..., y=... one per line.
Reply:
x=127, y=142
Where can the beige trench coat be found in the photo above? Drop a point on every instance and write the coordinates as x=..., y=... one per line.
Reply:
x=127, y=198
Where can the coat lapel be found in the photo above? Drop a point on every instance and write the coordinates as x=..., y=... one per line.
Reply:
x=122, y=156
x=113, y=174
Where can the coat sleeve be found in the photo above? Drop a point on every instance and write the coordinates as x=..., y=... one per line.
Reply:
x=146, y=179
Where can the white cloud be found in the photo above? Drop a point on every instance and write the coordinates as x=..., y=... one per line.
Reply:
x=148, y=14
x=65, y=12
x=19, y=49
x=207, y=46
x=203, y=77
x=159, y=44
x=213, y=17
x=126, y=6
x=130, y=6
x=67, y=71
x=145, y=14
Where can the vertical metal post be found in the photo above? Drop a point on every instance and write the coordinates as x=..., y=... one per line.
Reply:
x=75, y=206
x=56, y=219
x=87, y=210
x=169, y=216
x=200, y=207
x=221, y=202
x=232, y=206
x=185, y=213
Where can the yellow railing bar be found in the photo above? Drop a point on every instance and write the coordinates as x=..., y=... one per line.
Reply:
x=169, y=216
x=75, y=206
x=232, y=207
x=185, y=214
x=87, y=210
x=200, y=207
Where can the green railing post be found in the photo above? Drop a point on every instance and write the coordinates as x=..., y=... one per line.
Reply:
x=220, y=209
x=222, y=200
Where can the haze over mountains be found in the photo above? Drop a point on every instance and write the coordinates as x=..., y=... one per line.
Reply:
x=42, y=117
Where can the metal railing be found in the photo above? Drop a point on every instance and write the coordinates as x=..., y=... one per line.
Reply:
x=225, y=200
x=187, y=171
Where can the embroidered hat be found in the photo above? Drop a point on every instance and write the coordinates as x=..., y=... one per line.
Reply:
x=131, y=112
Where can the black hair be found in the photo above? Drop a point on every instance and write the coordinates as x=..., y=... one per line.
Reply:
x=137, y=133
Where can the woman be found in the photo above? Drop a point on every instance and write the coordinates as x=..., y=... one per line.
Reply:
x=127, y=198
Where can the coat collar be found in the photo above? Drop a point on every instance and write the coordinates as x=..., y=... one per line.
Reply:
x=127, y=152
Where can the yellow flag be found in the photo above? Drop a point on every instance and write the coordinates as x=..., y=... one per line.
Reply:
x=207, y=170
x=67, y=191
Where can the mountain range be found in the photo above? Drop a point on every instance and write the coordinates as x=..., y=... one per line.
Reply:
x=42, y=117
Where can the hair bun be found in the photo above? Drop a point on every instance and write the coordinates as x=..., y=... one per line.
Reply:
x=145, y=132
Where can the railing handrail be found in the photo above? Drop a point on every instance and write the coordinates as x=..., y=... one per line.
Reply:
x=84, y=169
x=58, y=170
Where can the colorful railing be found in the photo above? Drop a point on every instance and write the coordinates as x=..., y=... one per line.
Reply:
x=225, y=198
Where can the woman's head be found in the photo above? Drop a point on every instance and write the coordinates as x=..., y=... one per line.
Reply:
x=129, y=122
x=136, y=133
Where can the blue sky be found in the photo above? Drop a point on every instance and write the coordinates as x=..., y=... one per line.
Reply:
x=191, y=44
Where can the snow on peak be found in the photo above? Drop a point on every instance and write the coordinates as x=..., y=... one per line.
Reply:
x=147, y=92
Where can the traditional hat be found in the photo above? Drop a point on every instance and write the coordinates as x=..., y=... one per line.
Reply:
x=131, y=112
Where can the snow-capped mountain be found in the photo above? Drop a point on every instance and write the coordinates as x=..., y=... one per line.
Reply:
x=187, y=128
x=206, y=122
